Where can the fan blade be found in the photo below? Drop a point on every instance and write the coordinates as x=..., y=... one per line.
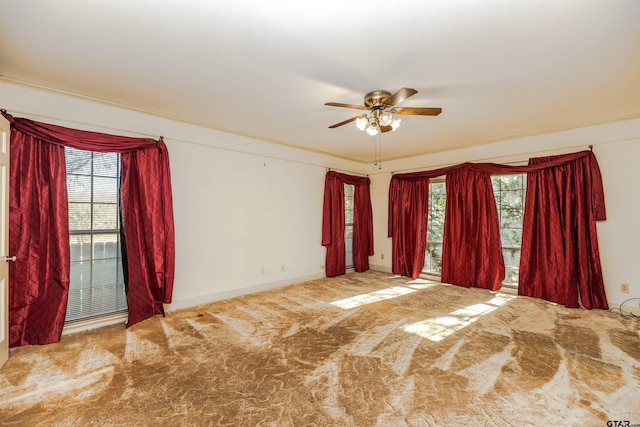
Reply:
x=344, y=122
x=400, y=96
x=385, y=128
x=418, y=111
x=338, y=104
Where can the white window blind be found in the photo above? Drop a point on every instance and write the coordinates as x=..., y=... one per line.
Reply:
x=348, y=226
x=97, y=284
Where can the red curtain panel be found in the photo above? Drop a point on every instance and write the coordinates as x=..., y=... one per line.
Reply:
x=333, y=223
x=39, y=238
x=410, y=201
x=149, y=233
x=362, y=225
x=471, y=249
x=560, y=259
x=39, y=279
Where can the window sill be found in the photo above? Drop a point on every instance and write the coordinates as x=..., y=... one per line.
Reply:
x=94, y=322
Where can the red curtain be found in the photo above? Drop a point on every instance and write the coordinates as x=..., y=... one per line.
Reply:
x=362, y=225
x=149, y=234
x=560, y=260
x=471, y=249
x=408, y=212
x=39, y=238
x=148, y=222
x=333, y=223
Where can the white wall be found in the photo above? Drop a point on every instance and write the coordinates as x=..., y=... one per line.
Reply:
x=244, y=208
x=617, y=148
x=248, y=213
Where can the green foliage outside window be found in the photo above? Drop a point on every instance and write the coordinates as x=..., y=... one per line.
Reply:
x=435, y=227
x=510, y=191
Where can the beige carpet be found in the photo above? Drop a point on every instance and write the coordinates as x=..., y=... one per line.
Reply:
x=364, y=349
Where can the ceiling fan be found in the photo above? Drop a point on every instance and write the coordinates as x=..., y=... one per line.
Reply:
x=380, y=106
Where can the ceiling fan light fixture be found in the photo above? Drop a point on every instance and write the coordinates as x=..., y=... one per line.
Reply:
x=385, y=118
x=362, y=122
x=395, y=124
x=372, y=129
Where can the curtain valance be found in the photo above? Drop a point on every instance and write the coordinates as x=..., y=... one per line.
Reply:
x=81, y=139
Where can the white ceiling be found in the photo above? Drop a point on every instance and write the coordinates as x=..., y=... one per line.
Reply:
x=498, y=69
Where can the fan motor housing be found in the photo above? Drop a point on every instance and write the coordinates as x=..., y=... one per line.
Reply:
x=376, y=99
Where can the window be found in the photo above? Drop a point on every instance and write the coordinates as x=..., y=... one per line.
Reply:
x=510, y=193
x=435, y=228
x=97, y=283
x=348, y=224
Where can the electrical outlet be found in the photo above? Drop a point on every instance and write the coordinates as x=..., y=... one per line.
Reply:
x=624, y=287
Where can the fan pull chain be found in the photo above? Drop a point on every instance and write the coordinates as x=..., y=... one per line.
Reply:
x=378, y=151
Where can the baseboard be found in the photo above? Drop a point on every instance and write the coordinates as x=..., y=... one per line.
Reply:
x=381, y=268
x=218, y=296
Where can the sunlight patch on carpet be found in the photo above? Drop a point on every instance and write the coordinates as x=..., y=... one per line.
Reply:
x=439, y=328
x=371, y=297
x=383, y=294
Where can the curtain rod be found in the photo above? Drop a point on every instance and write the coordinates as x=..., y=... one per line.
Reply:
x=346, y=171
x=513, y=162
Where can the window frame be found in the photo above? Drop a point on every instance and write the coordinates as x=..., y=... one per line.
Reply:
x=498, y=196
